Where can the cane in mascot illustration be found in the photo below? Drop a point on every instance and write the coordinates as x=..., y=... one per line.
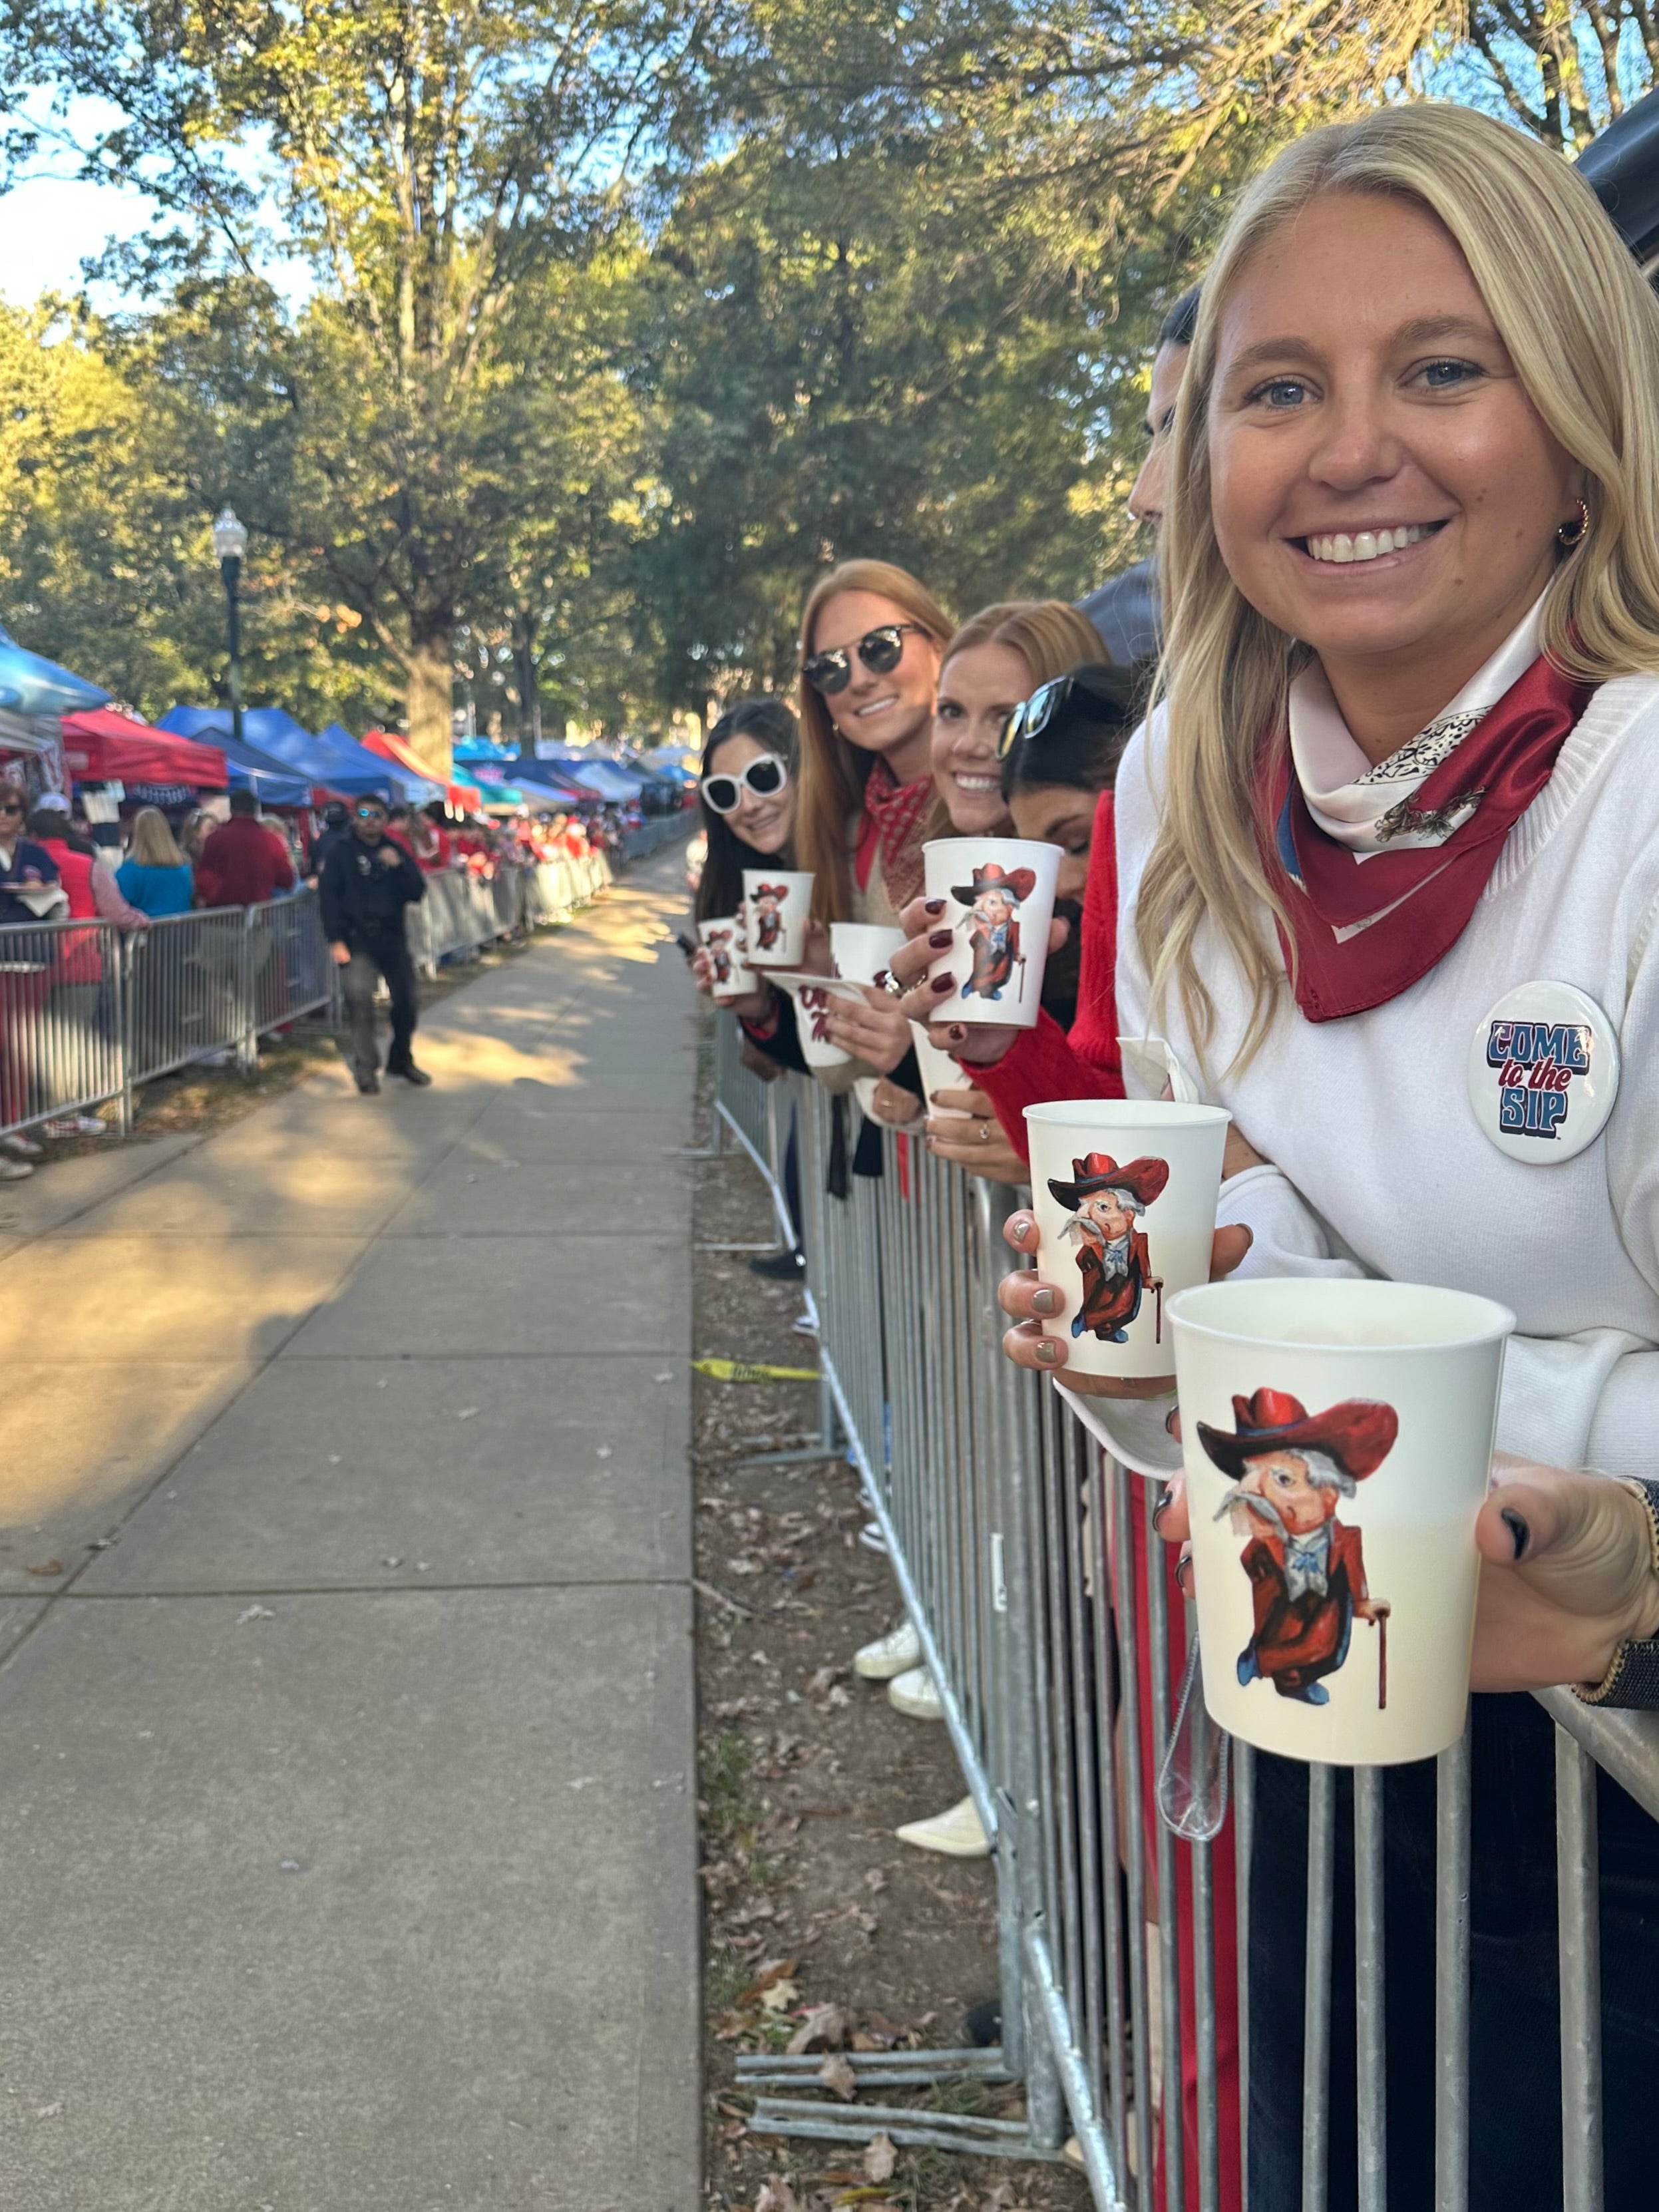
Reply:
x=1113, y=1256
x=995, y=897
x=1291, y=1471
x=719, y=942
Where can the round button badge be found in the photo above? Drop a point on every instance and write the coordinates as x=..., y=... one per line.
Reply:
x=1544, y=1072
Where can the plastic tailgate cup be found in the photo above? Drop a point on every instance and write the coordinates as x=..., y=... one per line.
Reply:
x=939, y=1073
x=724, y=939
x=812, y=1002
x=1338, y=1439
x=999, y=901
x=1125, y=1193
x=776, y=905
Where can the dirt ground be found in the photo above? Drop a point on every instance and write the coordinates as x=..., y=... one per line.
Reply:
x=811, y=1902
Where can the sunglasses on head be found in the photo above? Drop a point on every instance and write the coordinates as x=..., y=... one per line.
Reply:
x=880, y=650
x=1047, y=705
x=765, y=776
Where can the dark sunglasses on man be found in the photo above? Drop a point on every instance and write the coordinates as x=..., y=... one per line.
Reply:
x=880, y=650
x=765, y=776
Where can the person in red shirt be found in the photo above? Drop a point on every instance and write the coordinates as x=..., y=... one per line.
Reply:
x=73, y=1060
x=242, y=863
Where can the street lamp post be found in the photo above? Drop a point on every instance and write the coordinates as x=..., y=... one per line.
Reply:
x=230, y=543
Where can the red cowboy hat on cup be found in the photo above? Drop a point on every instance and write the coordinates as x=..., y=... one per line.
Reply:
x=1142, y=1179
x=1359, y=1434
x=771, y=890
x=1017, y=883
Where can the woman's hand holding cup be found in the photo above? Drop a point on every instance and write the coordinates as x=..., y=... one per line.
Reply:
x=874, y=1032
x=982, y=1043
x=1030, y=1300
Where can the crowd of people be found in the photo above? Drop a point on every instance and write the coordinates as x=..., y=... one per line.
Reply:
x=1392, y=772
x=56, y=1012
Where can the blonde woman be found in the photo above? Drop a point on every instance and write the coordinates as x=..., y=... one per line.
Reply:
x=154, y=877
x=1401, y=784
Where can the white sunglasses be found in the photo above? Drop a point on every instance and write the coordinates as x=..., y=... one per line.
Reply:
x=765, y=776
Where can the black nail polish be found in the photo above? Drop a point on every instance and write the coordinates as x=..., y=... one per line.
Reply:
x=1165, y=1500
x=1518, y=1530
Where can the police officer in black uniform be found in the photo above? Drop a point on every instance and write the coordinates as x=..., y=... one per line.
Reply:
x=366, y=883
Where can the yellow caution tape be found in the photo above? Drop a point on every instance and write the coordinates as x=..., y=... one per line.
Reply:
x=740, y=1370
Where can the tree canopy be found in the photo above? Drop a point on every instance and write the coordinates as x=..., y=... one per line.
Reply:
x=619, y=318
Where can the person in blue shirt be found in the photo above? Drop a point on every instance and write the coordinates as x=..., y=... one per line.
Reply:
x=156, y=876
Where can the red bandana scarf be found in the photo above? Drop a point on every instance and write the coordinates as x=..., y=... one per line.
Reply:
x=1365, y=931
x=894, y=817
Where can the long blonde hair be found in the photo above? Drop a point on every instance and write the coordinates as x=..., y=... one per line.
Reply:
x=832, y=771
x=1583, y=331
x=152, y=841
x=1051, y=636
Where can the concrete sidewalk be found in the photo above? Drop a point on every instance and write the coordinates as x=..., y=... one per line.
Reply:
x=347, y=1831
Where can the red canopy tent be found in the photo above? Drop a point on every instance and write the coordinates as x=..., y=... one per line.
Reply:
x=465, y=796
x=100, y=745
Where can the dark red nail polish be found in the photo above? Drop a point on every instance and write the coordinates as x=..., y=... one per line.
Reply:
x=933, y=906
x=942, y=940
x=1165, y=1500
x=943, y=983
x=1519, y=1532
x=957, y=1034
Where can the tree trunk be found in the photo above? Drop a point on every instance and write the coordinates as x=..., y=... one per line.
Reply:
x=529, y=691
x=430, y=690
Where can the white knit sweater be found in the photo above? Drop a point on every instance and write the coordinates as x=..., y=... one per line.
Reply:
x=1379, y=1166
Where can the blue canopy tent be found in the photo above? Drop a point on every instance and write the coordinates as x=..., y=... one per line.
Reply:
x=602, y=777
x=413, y=790
x=271, y=783
x=30, y=684
x=543, y=785
x=346, y=768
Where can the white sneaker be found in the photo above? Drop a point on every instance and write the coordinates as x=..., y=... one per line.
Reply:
x=917, y=1694
x=77, y=1125
x=24, y=1148
x=896, y=1653
x=957, y=1834
x=872, y=1538
x=15, y=1170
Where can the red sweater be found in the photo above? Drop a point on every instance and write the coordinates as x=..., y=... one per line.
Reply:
x=242, y=863
x=1047, y=1063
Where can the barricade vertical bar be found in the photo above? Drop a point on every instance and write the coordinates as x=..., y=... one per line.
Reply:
x=1575, y=1838
x=1243, y=1758
x=1204, y=2021
x=1370, y=1991
x=1088, y=1997
x=1033, y=1747
x=1168, y=1931
x=1128, y=1661
x=1316, y=2013
x=1452, y=1979
x=1110, y=1837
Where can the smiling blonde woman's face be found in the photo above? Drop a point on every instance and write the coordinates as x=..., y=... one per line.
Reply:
x=1382, y=486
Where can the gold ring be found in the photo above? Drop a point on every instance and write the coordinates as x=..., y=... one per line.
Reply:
x=985, y=1132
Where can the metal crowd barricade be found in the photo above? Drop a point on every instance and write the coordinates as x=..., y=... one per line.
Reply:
x=60, y=1020
x=1025, y=1557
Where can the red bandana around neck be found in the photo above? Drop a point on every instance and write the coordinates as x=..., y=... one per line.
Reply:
x=894, y=814
x=1406, y=909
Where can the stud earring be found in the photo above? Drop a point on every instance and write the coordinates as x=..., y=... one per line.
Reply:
x=1574, y=532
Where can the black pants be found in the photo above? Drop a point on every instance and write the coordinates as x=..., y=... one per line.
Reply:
x=1515, y=2092
x=387, y=955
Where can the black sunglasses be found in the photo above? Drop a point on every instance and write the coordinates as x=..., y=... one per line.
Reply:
x=1049, y=703
x=880, y=650
x=765, y=776
x=12, y=806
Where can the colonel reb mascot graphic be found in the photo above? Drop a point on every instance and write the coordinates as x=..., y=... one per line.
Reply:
x=768, y=916
x=1291, y=1471
x=1112, y=1254
x=994, y=897
x=719, y=942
